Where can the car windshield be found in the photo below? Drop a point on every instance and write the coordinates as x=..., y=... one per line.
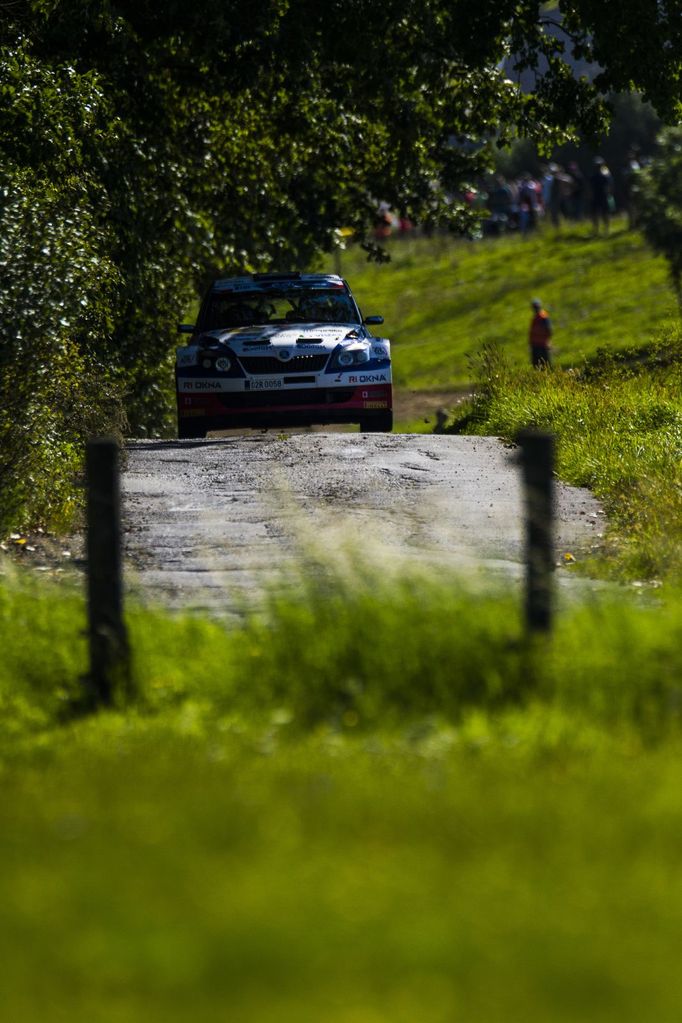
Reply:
x=244, y=309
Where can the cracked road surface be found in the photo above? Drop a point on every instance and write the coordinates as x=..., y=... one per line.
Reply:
x=210, y=524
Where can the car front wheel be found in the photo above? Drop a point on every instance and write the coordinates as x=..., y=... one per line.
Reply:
x=192, y=429
x=382, y=423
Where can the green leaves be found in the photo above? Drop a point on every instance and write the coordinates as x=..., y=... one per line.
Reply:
x=146, y=148
x=658, y=197
x=58, y=286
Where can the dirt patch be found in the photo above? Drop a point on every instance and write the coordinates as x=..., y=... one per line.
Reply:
x=410, y=406
x=43, y=552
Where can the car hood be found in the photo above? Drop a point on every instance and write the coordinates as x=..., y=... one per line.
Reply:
x=299, y=337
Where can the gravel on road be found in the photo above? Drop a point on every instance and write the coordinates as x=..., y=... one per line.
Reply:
x=210, y=524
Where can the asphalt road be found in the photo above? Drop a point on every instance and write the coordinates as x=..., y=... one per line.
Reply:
x=209, y=524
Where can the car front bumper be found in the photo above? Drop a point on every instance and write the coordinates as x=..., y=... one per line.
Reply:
x=351, y=402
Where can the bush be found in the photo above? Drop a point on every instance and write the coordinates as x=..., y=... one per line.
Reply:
x=58, y=285
x=618, y=424
x=54, y=389
x=658, y=202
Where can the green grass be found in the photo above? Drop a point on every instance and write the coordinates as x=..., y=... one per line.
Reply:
x=355, y=647
x=375, y=804
x=152, y=872
x=448, y=304
x=377, y=801
x=442, y=299
x=618, y=426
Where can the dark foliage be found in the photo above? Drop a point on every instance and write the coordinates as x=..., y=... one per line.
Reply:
x=146, y=147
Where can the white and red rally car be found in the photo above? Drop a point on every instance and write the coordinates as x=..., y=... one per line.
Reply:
x=282, y=349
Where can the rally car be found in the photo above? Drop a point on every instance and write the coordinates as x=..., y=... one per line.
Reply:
x=282, y=349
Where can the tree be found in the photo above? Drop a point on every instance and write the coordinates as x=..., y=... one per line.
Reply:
x=658, y=197
x=272, y=124
x=58, y=287
x=634, y=125
x=181, y=140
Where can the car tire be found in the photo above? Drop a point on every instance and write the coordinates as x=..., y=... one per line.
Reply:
x=383, y=423
x=195, y=429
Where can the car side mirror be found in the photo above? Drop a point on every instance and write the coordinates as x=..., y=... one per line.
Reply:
x=373, y=321
x=185, y=328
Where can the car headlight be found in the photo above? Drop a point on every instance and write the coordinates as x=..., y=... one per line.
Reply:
x=210, y=360
x=186, y=356
x=352, y=355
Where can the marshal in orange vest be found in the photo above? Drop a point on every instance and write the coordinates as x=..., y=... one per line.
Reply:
x=540, y=334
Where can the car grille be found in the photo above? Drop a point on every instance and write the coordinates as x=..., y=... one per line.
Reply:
x=257, y=364
x=301, y=397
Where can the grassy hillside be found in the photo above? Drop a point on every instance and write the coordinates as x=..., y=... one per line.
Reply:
x=442, y=299
x=618, y=428
x=459, y=312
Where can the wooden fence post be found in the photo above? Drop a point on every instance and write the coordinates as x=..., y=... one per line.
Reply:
x=109, y=651
x=537, y=464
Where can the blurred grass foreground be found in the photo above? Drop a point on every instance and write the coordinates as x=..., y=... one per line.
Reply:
x=373, y=803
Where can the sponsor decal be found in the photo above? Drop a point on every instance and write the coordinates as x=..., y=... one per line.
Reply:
x=264, y=385
x=187, y=413
x=368, y=378
x=186, y=384
x=375, y=404
x=380, y=353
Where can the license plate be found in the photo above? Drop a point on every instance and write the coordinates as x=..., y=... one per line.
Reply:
x=263, y=385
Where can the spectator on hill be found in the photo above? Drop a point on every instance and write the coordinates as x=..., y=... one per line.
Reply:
x=630, y=171
x=499, y=206
x=576, y=195
x=500, y=198
x=528, y=205
x=539, y=336
x=405, y=225
x=601, y=188
x=561, y=194
x=383, y=225
x=546, y=184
